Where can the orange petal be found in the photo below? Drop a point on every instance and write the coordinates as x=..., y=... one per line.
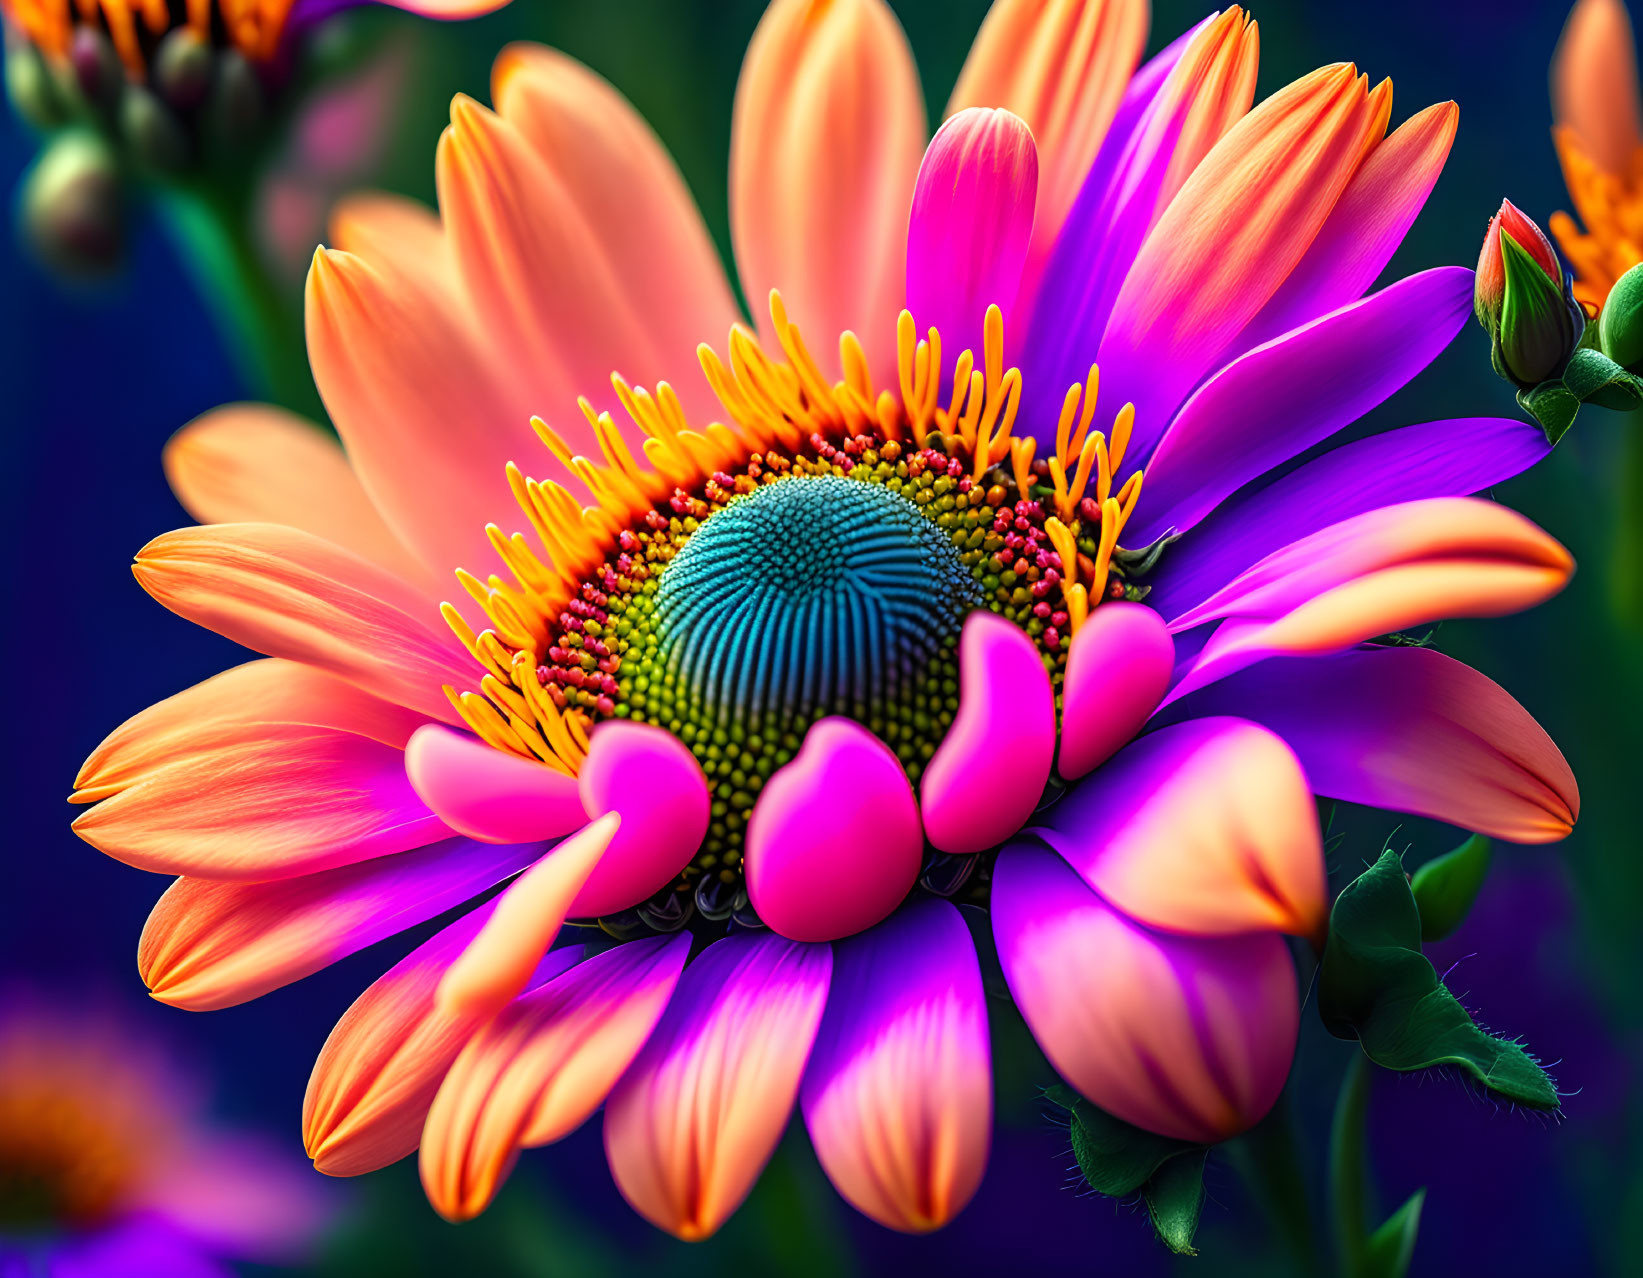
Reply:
x=383, y=1062
x=1594, y=83
x=210, y=944
x=288, y=594
x=254, y=463
x=1062, y=66
x=251, y=702
x=536, y=1071
x=630, y=196
x=825, y=144
x=695, y=1118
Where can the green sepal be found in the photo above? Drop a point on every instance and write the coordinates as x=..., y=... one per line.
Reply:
x=1116, y=1158
x=1175, y=1199
x=1391, y=1247
x=1592, y=377
x=1376, y=986
x=1446, y=886
x=1537, y=332
x=1553, y=405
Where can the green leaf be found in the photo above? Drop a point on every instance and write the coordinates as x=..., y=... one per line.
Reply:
x=1446, y=886
x=1390, y=1247
x=1553, y=405
x=1593, y=376
x=1175, y=1199
x=1116, y=1157
x=1377, y=987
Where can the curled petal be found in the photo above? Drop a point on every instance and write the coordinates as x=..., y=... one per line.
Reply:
x=697, y=1115
x=540, y=1067
x=989, y=772
x=1411, y=730
x=383, y=1061
x=834, y=842
x=286, y=593
x=648, y=776
x=209, y=944
x=1188, y=1037
x=487, y=794
x=971, y=222
x=1206, y=827
x=1118, y=667
x=1061, y=66
x=1594, y=83
x=825, y=143
x=898, y=1092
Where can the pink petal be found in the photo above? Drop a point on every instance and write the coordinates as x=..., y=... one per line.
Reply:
x=381, y=1065
x=288, y=594
x=648, y=776
x=1187, y=1037
x=1118, y=667
x=971, y=222
x=1411, y=730
x=898, y=1092
x=487, y=794
x=834, y=842
x=537, y=1071
x=1205, y=827
x=209, y=944
x=693, y=1121
x=989, y=772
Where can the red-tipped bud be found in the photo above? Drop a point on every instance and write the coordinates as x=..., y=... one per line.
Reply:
x=1490, y=290
x=1524, y=301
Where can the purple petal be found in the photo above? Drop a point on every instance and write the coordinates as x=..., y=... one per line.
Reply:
x=898, y=1092
x=1282, y=398
x=1452, y=458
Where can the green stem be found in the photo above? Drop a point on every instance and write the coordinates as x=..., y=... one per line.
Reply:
x=1269, y=1158
x=261, y=318
x=1626, y=561
x=1349, y=1168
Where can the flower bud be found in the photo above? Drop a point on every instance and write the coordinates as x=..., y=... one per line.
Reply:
x=1524, y=301
x=1620, y=327
x=29, y=85
x=153, y=133
x=96, y=65
x=183, y=68
x=73, y=211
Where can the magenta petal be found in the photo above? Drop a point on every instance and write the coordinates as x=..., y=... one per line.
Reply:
x=898, y=1093
x=971, y=222
x=693, y=1121
x=1238, y=426
x=989, y=772
x=486, y=794
x=1205, y=827
x=834, y=843
x=648, y=776
x=1118, y=668
x=1411, y=730
x=1187, y=1037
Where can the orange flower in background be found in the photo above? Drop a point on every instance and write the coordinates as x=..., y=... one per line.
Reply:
x=1598, y=128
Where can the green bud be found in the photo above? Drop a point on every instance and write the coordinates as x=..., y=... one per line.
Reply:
x=1620, y=326
x=73, y=210
x=183, y=69
x=153, y=133
x=1538, y=319
x=29, y=84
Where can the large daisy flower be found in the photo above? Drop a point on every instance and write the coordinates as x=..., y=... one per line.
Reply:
x=769, y=667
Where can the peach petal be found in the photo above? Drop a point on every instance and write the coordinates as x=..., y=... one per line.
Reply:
x=1062, y=66
x=498, y=962
x=295, y=801
x=898, y=1092
x=254, y=702
x=990, y=770
x=695, y=1118
x=536, y=1071
x=1118, y=668
x=1594, y=83
x=209, y=945
x=488, y=795
x=971, y=222
x=286, y=593
x=255, y=463
x=380, y=1067
x=834, y=842
x=829, y=125
x=1205, y=827
x=1188, y=1037
x=648, y=776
